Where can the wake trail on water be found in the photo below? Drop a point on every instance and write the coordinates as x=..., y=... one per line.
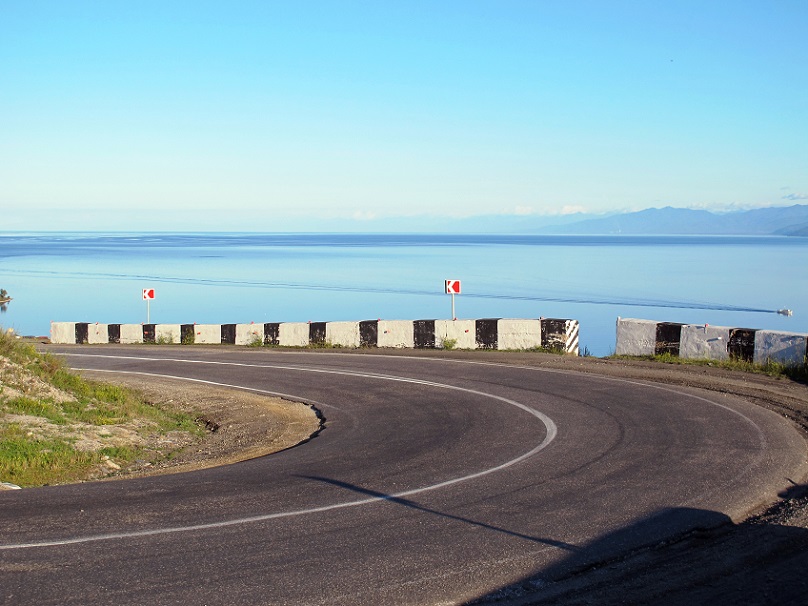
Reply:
x=555, y=298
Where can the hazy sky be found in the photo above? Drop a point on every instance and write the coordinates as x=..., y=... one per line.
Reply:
x=223, y=113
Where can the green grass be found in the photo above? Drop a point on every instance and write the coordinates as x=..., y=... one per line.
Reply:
x=37, y=408
x=33, y=460
x=325, y=344
x=549, y=349
x=449, y=344
x=36, y=462
x=798, y=372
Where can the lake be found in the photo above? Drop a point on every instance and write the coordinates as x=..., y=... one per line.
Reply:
x=736, y=281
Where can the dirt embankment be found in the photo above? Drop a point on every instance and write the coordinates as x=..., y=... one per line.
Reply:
x=240, y=425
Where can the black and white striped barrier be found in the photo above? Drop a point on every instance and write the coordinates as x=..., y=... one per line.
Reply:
x=702, y=341
x=492, y=333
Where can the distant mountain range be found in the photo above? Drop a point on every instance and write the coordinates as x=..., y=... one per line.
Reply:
x=785, y=221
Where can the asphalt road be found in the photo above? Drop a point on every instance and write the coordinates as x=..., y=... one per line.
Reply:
x=433, y=482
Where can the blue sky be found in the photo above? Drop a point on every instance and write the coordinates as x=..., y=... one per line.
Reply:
x=267, y=115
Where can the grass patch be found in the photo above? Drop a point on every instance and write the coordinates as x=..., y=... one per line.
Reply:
x=325, y=344
x=549, y=349
x=36, y=462
x=256, y=341
x=449, y=344
x=37, y=457
x=796, y=372
x=35, y=408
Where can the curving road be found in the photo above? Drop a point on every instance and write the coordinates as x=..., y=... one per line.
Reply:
x=434, y=482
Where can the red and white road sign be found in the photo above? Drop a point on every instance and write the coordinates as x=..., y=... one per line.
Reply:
x=452, y=287
x=148, y=294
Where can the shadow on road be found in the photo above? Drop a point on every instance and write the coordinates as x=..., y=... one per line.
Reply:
x=761, y=561
x=413, y=505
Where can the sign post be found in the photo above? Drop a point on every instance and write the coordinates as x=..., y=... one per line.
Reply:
x=453, y=288
x=148, y=295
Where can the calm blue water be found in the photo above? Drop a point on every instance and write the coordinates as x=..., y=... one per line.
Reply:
x=234, y=278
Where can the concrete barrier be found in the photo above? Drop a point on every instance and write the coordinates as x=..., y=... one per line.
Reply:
x=396, y=333
x=249, y=334
x=518, y=334
x=187, y=334
x=63, y=332
x=702, y=341
x=167, y=333
x=490, y=333
x=131, y=333
x=272, y=333
x=82, y=332
x=227, y=334
x=787, y=348
x=461, y=333
x=423, y=332
x=369, y=333
x=560, y=334
x=635, y=337
x=208, y=334
x=343, y=334
x=97, y=333
x=293, y=334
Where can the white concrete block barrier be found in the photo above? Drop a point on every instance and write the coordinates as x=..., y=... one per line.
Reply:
x=787, y=348
x=96, y=333
x=293, y=334
x=491, y=333
x=343, y=334
x=702, y=341
x=549, y=333
x=63, y=332
x=249, y=334
x=456, y=334
x=388, y=333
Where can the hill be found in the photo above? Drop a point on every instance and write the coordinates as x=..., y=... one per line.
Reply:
x=789, y=221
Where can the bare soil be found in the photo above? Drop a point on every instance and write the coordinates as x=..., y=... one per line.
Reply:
x=239, y=425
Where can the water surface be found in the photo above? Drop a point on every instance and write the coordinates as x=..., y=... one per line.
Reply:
x=235, y=278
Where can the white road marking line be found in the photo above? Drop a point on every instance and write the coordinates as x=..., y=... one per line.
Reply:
x=549, y=424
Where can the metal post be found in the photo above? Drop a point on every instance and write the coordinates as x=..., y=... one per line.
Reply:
x=148, y=311
x=453, y=308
